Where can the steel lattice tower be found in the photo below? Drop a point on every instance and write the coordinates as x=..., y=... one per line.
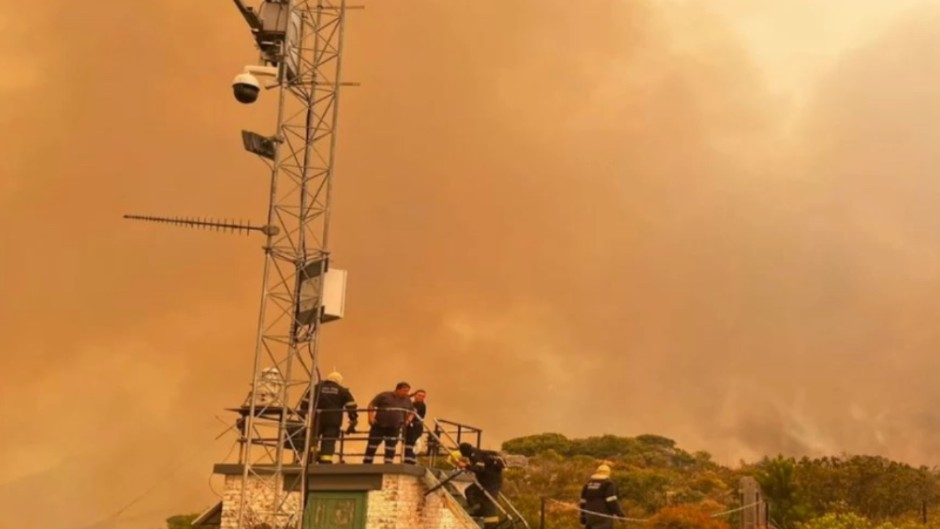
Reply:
x=309, y=57
x=301, y=45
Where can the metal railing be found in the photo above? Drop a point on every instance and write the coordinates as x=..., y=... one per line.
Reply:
x=455, y=432
x=351, y=445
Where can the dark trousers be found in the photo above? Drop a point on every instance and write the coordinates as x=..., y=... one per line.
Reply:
x=326, y=435
x=378, y=435
x=480, y=505
x=490, y=514
x=411, y=438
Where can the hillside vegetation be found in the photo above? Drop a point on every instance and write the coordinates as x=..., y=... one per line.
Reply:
x=652, y=473
x=672, y=488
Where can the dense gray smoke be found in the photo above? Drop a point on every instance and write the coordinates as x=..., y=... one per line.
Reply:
x=584, y=221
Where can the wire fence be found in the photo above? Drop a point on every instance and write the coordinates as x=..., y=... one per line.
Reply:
x=569, y=506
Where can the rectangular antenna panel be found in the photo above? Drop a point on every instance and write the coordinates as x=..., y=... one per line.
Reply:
x=333, y=301
x=295, y=43
x=334, y=295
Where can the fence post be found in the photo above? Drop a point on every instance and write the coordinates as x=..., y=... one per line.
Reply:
x=542, y=514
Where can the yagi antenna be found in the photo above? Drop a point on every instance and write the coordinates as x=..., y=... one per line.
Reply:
x=210, y=224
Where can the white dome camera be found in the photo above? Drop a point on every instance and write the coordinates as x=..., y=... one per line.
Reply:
x=246, y=87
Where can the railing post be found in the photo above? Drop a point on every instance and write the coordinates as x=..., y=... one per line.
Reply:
x=342, y=447
x=401, y=438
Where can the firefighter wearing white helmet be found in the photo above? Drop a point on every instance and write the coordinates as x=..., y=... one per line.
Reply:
x=599, y=502
x=331, y=399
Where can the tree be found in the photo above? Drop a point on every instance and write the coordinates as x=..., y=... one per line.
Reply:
x=604, y=446
x=874, y=487
x=534, y=445
x=645, y=487
x=777, y=478
x=656, y=440
x=882, y=489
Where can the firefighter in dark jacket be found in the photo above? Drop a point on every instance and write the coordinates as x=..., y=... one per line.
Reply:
x=415, y=427
x=332, y=397
x=487, y=466
x=388, y=413
x=599, y=495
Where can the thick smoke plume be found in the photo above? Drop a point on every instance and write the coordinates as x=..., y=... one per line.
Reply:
x=638, y=218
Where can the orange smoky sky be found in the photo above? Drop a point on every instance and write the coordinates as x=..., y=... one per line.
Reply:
x=712, y=222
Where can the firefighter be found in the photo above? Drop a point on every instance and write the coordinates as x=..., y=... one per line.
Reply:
x=599, y=495
x=388, y=413
x=332, y=397
x=487, y=466
x=415, y=426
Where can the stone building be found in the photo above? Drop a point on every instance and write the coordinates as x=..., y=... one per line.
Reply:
x=382, y=496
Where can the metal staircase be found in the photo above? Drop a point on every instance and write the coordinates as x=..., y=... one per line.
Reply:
x=440, y=482
x=443, y=482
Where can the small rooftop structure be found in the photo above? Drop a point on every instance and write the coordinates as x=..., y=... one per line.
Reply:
x=351, y=495
x=377, y=496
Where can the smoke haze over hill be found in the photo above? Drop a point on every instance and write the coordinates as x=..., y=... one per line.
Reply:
x=716, y=224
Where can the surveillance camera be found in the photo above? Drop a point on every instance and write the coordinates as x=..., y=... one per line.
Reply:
x=246, y=88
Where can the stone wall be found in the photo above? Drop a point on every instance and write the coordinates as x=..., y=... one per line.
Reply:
x=261, y=492
x=398, y=504
x=401, y=502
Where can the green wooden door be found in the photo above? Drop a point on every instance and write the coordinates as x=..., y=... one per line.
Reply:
x=335, y=510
